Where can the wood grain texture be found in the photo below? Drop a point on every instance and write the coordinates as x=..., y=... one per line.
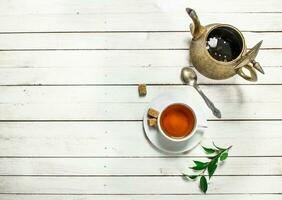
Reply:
x=160, y=21
x=112, y=58
x=135, y=185
x=123, y=102
x=141, y=197
x=17, y=7
x=115, y=75
x=120, y=139
x=120, y=40
x=251, y=166
x=80, y=137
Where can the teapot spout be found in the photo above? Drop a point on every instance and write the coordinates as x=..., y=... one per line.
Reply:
x=196, y=28
x=249, y=58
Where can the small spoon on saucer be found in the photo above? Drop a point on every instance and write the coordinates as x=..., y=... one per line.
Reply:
x=189, y=76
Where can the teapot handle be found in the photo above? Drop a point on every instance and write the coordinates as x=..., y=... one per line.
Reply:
x=248, y=62
x=253, y=75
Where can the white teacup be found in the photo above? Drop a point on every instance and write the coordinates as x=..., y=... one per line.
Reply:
x=179, y=116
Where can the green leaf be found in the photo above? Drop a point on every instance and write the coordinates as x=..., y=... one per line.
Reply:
x=193, y=177
x=212, y=157
x=203, y=184
x=223, y=156
x=219, y=148
x=213, y=165
x=211, y=169
x=208, y=150
x=215, y=160
x=189, y=177
x=199, y=165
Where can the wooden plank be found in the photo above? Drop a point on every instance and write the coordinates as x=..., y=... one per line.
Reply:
x=141, y=197
x=116, y=139
x=112, y=58
x=160, y=21
x=123, y=102
x=101, y=141
x=49, y=95
x=133, y=166
x=108, y=40
x=36, y=67
x=146, y=6
x=135, y=185
x=115, y=75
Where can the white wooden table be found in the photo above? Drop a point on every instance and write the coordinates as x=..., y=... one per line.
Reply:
x=71, y=117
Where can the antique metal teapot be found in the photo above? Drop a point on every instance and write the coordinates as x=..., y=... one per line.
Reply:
x=218, y=51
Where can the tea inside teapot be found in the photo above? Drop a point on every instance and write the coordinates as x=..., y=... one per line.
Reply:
x=224, y=44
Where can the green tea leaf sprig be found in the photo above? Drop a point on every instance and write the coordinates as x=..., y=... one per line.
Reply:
x=221, y=154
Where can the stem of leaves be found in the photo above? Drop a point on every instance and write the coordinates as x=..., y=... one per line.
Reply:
x=211, y=166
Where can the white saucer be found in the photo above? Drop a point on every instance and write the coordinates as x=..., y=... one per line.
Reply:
x=189, y=96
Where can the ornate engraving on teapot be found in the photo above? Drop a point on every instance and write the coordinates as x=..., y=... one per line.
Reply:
x=218, y=51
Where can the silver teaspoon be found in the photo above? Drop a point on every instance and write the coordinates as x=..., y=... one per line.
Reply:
x=189, y=77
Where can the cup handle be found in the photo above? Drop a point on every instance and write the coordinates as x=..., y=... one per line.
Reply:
x=253, y=75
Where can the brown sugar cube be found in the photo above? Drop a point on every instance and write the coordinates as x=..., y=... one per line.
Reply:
x=152, y=121
x=142, y=90
x=153, y=113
